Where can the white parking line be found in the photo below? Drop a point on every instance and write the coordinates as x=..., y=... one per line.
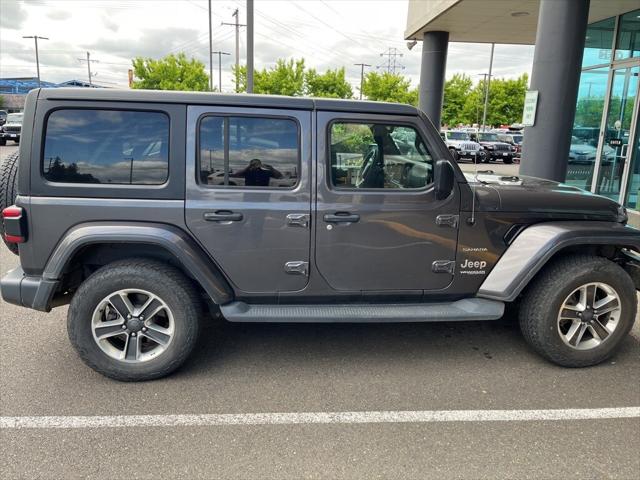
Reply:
x=293, y=418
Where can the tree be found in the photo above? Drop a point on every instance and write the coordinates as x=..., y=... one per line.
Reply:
x=331, y=84
x=456, y=91
x=285, y=78
x=289, y=77
x=506, y=101
x=173, y=72
x=389, y=87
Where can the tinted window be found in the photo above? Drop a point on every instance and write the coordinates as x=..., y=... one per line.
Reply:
x=378, y=156
x=107, y=146
x=261, y=152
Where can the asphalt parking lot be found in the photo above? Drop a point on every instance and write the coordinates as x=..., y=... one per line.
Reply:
x=315, y=369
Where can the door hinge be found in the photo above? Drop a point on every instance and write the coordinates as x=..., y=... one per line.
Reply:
x=297, y=268
x=443, y=266
x=447, y=220
x=298, y=220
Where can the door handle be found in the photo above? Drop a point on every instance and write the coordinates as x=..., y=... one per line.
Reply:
x=223, y=216
x=341, y=217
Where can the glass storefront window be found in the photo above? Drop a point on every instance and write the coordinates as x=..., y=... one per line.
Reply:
x=632, y=199
x=628, y=43
x=598, y=43
x=586, y=127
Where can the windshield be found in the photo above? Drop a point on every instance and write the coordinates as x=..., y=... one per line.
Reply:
x=14, y=118
x=488, y=137
x=457, y=135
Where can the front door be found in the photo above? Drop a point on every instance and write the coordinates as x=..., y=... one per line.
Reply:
x=248, y=198
x=379, y=226
x=615, y=136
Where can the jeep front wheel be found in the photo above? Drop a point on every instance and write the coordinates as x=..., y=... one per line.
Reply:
x=134, y=320
x=578, y=310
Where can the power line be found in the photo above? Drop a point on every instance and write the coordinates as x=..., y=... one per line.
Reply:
x=89, y=62
x=237, y=27
x=391, y=64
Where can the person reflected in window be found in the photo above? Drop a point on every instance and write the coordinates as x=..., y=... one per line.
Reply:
x=257, y=174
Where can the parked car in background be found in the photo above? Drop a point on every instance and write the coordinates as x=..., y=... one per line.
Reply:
x=11, y=129
x=461, y=146
x=515, y=140
x=496, y=150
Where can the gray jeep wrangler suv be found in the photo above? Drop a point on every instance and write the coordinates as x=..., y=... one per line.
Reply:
x=147, y=211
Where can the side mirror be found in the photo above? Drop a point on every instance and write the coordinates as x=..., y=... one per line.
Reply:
x=444, y=179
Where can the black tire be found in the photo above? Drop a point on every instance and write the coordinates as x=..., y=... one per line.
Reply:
x=9, y=188
x=454, y=154
x=508, y=160
x=485, y=157
x=543, y=299
x=3, y=142
x=169, y=284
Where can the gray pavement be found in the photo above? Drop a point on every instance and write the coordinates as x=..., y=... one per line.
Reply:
x=318, y=368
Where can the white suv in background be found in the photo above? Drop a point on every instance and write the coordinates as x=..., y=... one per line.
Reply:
x=461, y=146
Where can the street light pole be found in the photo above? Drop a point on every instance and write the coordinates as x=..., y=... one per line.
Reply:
x=250, y=46
x=220, y=68
x=362, y=65
x=35, y=38
x=486, y=93
x=210, y=50
x=237, y=24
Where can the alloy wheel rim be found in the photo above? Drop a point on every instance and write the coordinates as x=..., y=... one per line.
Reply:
x=589, y=316
x=132, y=325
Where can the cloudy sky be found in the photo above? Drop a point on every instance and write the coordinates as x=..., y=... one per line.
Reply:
x=326, y=33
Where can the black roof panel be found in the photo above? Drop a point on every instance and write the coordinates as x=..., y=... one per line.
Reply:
x=234, y=99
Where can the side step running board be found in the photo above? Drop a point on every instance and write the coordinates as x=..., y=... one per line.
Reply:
x=461, y=310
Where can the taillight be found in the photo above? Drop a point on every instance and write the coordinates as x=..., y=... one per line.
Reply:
x=13, y=220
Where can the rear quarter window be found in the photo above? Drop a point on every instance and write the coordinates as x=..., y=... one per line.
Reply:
x=117, y=147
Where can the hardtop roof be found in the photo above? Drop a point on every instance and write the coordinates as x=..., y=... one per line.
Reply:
x=234, y=99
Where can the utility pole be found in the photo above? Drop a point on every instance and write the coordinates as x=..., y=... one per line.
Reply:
x=486, y=92
x=220, y=68
x=362, y=65
x=250, y=26
x=35, y=38
x=237, y=25
x=391, y=63
x=89, y=61
x=210, y=51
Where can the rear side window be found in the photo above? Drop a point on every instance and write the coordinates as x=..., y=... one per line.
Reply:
x=248, y=152
x=116, y=147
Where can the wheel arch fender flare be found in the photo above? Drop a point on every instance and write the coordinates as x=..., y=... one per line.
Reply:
x=537, y=244
x=172, y=239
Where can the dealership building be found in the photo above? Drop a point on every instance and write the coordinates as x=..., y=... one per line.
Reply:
x=586, y=68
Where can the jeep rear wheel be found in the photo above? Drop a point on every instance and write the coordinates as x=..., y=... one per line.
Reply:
x=134, y=320
x=578, y=310
x=9, y=188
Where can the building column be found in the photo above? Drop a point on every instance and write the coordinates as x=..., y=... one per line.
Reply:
x=432, y=72
x=557, y=59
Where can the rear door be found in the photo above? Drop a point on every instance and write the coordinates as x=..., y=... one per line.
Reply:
x=379, y=224
x=248, y=198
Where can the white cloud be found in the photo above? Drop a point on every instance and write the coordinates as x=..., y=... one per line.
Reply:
x=327, y=33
